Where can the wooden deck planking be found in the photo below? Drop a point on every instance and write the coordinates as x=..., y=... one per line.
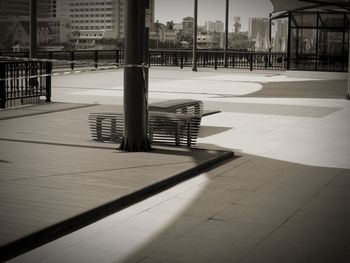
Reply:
x=43, y=183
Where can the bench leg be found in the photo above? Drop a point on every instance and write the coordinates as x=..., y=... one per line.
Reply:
x=99, y=136
x=114, y=129
x=189, y=135
x=177, y=136
x=150, y=134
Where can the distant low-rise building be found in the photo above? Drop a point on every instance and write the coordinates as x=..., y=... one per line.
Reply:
x=187, y=26
x=61, y=29
x=210, y=40
x=162, y=33
x=21, y=32
x=93, y=39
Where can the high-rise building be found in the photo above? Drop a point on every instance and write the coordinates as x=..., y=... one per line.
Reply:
x=257, y=25
x=187, y=26
x=237, y=24
x=217, y=26
x=21, y=8
x=98, y=15
x=258, y=32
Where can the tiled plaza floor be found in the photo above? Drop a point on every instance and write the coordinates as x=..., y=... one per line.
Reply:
x=286, y=199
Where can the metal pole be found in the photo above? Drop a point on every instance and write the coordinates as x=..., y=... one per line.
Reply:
x=135, y=138
x=348, y=91
x=33, y=28
x=317, y=41
x=289, y=39
x=270, y=32
x=226, y=32
x=146, y=58
x=194, y=67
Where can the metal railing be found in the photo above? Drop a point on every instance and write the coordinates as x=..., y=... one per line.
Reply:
x=79, y=59
x=24, y=82
x=315, y=62
x=216, y=59
x=169, y=58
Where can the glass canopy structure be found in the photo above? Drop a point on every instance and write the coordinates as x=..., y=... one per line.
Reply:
x=318, y=38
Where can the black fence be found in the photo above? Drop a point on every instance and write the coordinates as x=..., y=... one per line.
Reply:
x=169, y=58
x=312, y=62
x=24, y=82
x=80, y=59
x=217, y=59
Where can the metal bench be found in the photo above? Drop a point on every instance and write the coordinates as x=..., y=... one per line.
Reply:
x=183, y=106
x=164, y=127
x=170, y=121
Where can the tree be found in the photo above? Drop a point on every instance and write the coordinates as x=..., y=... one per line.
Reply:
x=157, y=26
x=170, y=25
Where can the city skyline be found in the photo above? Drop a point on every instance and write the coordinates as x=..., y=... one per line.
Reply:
x=209, y=10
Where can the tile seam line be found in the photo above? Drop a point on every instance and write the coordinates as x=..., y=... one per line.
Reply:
x=96, y=171
x=48, y=112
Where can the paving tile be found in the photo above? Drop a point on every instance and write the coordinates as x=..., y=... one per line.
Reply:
x=249, y=173
x=267, y=165
x=237, y=183
x=332, y=200
x=191, y=207
x=186, y=249
x=78, y=255
x=162, y=223
x=231, y=232
x=305, y=237
x=295, y=245
x=216, y=193
x=297, y=183
x=252, y=214
x=342, y=180
x=331, y=224
x=277, y=199
x=291, y=255
x=344, y=256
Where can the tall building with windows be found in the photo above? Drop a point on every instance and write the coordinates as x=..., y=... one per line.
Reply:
x=97, y=15
x=257, y=26
x=217, y=26
x=21, y=8
x=237, y=24
x=187, y=26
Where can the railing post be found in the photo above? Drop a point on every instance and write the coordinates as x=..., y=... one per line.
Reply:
x=251, y=61
x=204, y=57
x=50, y=55
x=149, y=58
x=216, y=60
x=2, y=86
x=182, y=60
x=48, y=81
x=266, y=60
x=175, y=59
x=289, y=44
x=72, y=60
x=96, y=58
x=117, y=56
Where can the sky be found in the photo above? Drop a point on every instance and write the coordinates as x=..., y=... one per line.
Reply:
x=166, y=10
